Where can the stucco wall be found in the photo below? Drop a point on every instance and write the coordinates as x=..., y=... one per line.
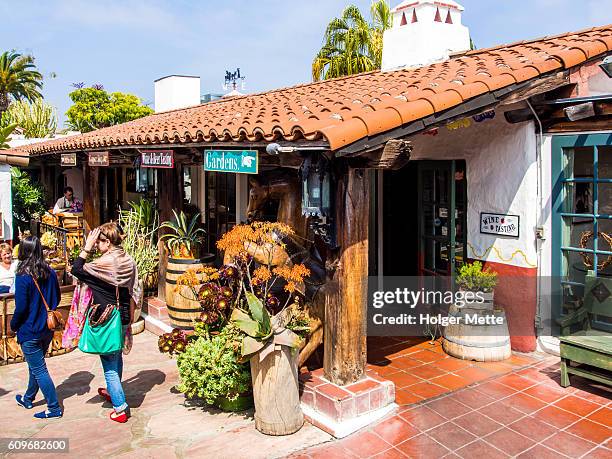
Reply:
x=501, y=178
x=5, y=201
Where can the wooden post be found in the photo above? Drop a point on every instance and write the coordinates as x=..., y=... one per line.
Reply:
x=91, y=196
x=346, y=301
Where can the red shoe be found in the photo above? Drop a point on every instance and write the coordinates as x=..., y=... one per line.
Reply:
x=122, y=418
x=102, y=392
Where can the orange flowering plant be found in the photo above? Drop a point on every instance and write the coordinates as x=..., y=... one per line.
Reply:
x=257, y=269
x=267, y=281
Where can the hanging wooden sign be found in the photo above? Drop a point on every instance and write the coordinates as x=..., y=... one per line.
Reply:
x=499, y=224
x=159, y=159
x=68, y=159
x=98, y=158
x=233, y=161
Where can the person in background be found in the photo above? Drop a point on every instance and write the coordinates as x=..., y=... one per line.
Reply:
x=35, y=284
x=66, y=202
x=7, y=268
x=113, y=274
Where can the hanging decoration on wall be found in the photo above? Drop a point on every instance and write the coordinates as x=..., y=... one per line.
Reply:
x=488, y=115
x=462, y=123
x=585, y=237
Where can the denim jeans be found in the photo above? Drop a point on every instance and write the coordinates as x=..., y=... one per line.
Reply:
x=113, y=371
x=34, y=353
x=4, y=289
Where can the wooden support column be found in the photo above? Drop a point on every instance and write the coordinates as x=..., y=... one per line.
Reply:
x=170, y=192
x=346, y=299
x=91, y=196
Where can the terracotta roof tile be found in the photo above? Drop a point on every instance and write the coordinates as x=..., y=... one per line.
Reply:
x=344, y=110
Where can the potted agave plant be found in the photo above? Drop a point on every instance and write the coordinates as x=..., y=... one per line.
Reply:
x=183, y=243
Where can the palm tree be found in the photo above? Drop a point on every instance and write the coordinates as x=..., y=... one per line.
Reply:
x=351, y=44
x=19, y=79
x=5, y=132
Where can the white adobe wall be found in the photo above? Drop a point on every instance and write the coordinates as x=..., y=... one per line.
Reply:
x=425, y=41
x=501, y=178
x=5, y=201
x=176, y=91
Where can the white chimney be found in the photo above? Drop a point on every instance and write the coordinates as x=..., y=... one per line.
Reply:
x=423, y=32
x=176, y=91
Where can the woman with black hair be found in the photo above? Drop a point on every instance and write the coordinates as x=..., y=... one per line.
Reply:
x=35, y=284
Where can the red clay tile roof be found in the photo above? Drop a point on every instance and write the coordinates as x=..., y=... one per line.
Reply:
x=344, y=110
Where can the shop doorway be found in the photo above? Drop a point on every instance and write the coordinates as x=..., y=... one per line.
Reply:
x=423, y=219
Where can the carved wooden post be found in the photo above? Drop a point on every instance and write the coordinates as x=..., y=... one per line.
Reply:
x=91, y=198
x=346, y=301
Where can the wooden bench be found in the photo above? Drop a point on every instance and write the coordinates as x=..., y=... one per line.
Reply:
x=590, y=347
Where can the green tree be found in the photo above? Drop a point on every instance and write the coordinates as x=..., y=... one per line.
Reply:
x=5, y=132
x=351, y=44
x=28, y=198
x=19, y=79
x=36, y=120
x=94, y=108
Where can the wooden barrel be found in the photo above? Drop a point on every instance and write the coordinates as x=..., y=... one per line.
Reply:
x=473, y=341
x=181, y=309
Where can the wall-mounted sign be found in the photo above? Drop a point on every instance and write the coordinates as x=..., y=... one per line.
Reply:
x=499, y=224
x=160, y=159
x=68, y=159
x=99, y=158
x=234, y=161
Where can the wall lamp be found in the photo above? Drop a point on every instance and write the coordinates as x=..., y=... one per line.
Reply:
x=275, y=149
x=606, y=66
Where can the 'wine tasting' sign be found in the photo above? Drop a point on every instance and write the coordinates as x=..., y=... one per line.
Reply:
x=499, y=224
x=159, y=159
x=98, y=158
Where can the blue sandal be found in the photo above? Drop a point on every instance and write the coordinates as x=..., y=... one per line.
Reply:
x=48, y=414
x=21, y=402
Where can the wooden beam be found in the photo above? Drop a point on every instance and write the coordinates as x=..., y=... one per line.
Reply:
x=586, y=125
x=393, y=156
x=346, y=299
x=91, y=196
x=538, y=86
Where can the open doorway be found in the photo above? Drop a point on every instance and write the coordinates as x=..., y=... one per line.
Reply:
x=400, y=241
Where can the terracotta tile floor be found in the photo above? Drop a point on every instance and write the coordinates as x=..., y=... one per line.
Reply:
x=422, y=370
x=514, y=408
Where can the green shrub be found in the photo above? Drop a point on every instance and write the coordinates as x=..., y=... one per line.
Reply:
x=473, y=277
x=209, y=368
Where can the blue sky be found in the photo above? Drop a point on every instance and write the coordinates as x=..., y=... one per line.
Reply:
x=126, y=44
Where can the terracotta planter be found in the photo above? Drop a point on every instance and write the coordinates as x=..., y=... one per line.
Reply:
x=276, y=392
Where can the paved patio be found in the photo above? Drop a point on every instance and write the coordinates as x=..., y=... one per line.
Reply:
x=163, y=423
x=524, y=413
x=447, y=408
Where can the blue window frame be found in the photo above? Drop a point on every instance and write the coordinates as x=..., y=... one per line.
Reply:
x=581, y=212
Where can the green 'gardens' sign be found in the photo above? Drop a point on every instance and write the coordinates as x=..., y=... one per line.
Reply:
x=234, y=161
